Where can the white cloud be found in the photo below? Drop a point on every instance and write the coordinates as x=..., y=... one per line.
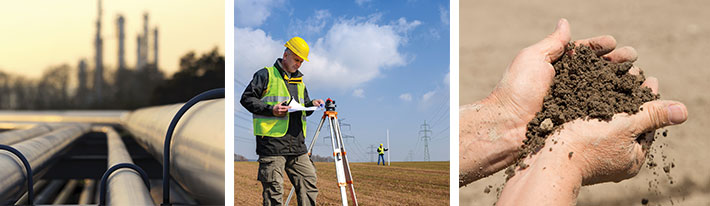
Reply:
x=361, y=2
x=434, y=34
x=359, y=93
x=406, y=97
x=311, y=26
x=444, y=15
x=253, y=51
x=428, y=95
x=349, y=54
x=404, y=27
x=355, y=51
x=253, y=13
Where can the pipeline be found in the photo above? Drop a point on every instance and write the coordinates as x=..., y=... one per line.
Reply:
x=64, y=194
x=197, y=149
x=52, y=188
x=38, y=151
x=38, y=186
x=125, y=186
x=19, y=135
x=87, y=193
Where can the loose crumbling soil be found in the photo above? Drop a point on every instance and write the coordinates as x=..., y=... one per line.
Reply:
x=585, y=86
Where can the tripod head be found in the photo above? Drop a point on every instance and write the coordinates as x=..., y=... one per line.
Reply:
x=329, y=105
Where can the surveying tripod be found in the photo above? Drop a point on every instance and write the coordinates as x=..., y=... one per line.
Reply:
x=342, y=165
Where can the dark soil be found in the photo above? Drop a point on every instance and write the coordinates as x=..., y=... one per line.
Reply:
x=585, y=86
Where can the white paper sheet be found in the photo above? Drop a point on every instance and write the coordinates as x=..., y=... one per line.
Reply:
x=295, y=107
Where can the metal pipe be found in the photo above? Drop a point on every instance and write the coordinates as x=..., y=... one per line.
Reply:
x=38, y=151
x=103, y=116
x=64, y=194
x=87, y=193
x=15, y=136
x=125, y=186
x=211, y=94
x=178, y=196
x=197, y=149
x=52, y=188
x=38, y=186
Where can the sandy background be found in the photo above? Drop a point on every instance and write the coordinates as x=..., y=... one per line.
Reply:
x=673, y=42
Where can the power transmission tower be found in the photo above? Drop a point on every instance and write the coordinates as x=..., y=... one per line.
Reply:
x=345, y=136
x=372, y=151
x=410, y=156
x=425, y=133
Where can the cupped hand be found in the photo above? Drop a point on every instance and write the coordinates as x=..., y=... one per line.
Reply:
x=529, y=76
x=615, y=150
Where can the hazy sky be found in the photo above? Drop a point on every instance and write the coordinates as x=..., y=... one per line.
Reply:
x=38, y=34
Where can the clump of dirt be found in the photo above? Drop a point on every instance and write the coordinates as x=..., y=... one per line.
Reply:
x=585, y=86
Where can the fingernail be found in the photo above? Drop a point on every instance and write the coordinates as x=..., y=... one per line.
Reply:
x=676, y=114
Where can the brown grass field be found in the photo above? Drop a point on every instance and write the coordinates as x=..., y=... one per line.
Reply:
x=403, y=183
x=673, y=42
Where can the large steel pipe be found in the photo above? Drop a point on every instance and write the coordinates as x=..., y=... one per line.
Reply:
x=19, y=135
x=38, y=151
x=197, y=148
x=125, y=186
x=66, y=192
x=87, y=193
x=15, y=136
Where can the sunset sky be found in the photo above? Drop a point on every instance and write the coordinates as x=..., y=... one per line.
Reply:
x=36, y=35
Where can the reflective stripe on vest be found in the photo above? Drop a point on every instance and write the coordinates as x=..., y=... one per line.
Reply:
x=277, y=92
x=380, y=150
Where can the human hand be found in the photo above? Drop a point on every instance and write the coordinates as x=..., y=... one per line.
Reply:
x=529, y=76
x=280, y=110
x=592, y=151
x=615, y=150
x=317, y=102
x=491, y=144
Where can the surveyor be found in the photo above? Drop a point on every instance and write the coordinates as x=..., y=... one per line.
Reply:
x=280, y=135
x=381, y=150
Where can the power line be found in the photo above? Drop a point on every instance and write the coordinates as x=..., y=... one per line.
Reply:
x=441, y=118
x=426, y=131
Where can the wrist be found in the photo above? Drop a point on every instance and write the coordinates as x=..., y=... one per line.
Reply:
x=548, y=170
x=502, y=115
x=489, y=139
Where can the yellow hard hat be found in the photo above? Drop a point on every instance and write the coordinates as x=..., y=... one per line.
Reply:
x=380, y=144
x=298, y=46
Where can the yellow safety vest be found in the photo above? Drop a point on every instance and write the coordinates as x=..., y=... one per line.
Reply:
x=381, y=150
x=277, y=92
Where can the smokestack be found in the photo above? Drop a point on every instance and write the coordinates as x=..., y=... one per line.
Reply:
x=144, y=40
x=155, y=47
x=98, y=58
x=81, y=76
x=121, y=41
x=139, y=63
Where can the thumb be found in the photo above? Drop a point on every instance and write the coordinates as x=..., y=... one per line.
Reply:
x=659, y=113
x=553, y=46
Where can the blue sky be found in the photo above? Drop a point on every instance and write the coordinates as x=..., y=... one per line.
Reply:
x=386, y=64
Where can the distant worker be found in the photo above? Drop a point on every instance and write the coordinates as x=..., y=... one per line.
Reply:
x=280, y=135
x=381, y=150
